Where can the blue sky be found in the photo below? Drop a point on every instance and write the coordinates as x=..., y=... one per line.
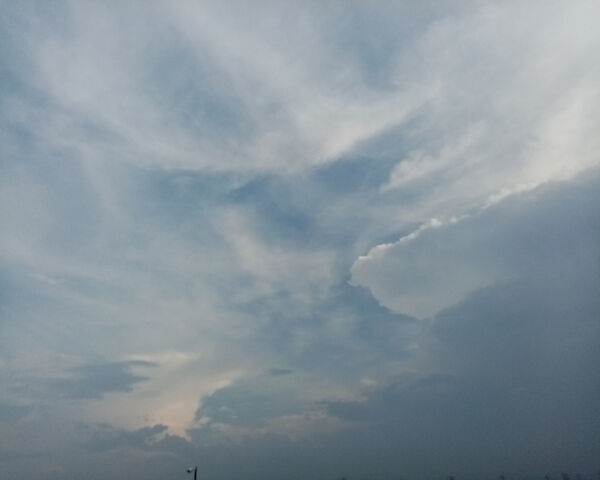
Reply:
x=303, y=240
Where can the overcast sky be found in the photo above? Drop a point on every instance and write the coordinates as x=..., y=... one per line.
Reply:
x=297, y=240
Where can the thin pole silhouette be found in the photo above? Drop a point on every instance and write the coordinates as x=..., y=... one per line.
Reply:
x=195, y=470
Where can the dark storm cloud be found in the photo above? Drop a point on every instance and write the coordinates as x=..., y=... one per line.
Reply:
x=517, y=387
x=514, y=377
x=252, y=401
x=94, y=381
x=385, y=405
x=106, y=437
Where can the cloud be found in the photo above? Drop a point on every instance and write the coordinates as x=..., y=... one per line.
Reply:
x=439, y=264
x=252, y=401
x=108, y=438
x=94, y=381
x=279, y=371
x=497, y=384
x=11, y=413
x=215, y=94
x=193, y=186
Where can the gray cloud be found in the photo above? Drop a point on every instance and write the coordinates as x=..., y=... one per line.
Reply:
x=279, y=371
x=105, y=437
x=253, y=401
x=511, y=392
x=11, y=413
x=94, y=381
x=437, y=266
x=193, y=186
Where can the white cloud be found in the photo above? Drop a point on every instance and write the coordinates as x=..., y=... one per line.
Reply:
x=276, y=268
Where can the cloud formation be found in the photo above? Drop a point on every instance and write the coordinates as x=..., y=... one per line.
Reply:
x=437, y=265
x=93, y=381
x=306, y=237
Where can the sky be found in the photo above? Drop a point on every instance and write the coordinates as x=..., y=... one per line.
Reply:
x=302, y=240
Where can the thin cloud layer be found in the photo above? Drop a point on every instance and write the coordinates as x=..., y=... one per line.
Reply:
x=295, y=240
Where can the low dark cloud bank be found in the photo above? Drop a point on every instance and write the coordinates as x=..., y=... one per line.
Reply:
x=93, y=381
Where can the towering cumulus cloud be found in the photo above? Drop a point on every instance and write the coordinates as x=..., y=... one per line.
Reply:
x=299, y=240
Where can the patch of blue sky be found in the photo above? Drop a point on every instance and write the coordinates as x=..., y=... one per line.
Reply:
x=354, y=176
x=370, y=40
x=40, y=313
x=187, y=86
x=74, y=224
x=279, y=211
x=176, y=198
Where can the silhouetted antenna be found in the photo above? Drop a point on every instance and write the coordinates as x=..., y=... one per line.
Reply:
x=547, y=477
x=195, y=470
